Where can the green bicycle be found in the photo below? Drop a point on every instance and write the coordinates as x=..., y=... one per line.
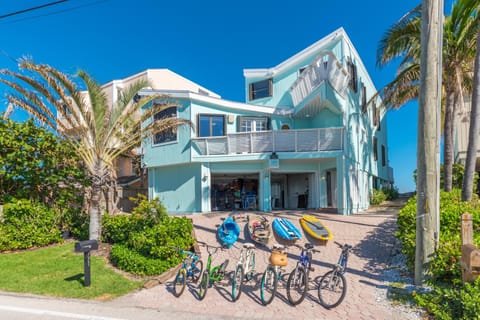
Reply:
x=211, y=274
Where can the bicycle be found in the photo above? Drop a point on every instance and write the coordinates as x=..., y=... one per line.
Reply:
x=192, y=268
x=333, y=285
x=273, y=272
x=211, y=274
x=244, y=270
x=297, y=284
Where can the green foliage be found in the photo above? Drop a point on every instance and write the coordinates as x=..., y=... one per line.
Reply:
x=377, y=197
x=450, y=299
x=458, y=171
x=142, y=239
x=26, y=225
x=452, y=302
x=391, y=193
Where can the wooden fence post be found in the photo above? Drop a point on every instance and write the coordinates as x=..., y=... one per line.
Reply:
x=467, y=229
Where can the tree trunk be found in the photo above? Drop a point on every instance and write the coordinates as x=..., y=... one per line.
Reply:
x=95, y=227
x=448, y=139
x=428, y=163
x=474, y=130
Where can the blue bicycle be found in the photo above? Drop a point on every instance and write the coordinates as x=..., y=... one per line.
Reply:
x=191, y=268
x=333, y=286
x=297, y=284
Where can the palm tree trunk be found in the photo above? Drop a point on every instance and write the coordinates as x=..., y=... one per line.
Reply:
x=428, y=147
x=448, y=140
x=95, y=213
x=474, y=130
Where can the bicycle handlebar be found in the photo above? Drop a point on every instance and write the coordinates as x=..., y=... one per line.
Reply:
x=343, y=246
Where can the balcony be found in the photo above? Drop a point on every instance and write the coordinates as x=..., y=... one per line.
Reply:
x=306, y=140
x=324, y=69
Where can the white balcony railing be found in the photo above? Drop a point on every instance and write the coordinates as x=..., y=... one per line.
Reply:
x=306, y=140
x=325, y=67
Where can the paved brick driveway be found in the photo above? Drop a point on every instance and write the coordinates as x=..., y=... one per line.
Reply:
x=370, y=233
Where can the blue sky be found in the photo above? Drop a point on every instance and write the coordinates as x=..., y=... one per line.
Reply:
x=208, y=42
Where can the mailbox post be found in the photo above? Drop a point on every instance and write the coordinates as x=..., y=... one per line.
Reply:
x=85, y=247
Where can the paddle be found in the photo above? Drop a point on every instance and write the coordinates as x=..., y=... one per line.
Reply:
x=289, y=232
x=322, y=228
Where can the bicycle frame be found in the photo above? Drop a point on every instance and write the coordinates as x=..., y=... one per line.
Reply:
x=343, y=259
x=245, y=258
x=189, y=262
x=213, y=272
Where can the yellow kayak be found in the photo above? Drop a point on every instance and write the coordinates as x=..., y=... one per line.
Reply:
x=315, y=227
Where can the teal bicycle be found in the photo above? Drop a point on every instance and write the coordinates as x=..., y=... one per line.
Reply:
x=211, y=274
x=191, y=268
x=273, y=272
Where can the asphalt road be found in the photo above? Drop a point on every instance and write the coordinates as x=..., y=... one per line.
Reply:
x=30, y=307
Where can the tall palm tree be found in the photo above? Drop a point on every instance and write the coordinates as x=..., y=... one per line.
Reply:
x=474, y=130
x=459, y=40
x=99, y=130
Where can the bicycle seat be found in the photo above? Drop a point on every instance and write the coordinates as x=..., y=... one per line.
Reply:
x=308, y=246
x=249, y=246
x=277, y=246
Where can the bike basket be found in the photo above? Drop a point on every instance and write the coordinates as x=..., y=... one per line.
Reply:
x=278, y=258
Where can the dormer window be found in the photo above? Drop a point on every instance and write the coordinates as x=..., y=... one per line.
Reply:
x=260, y=89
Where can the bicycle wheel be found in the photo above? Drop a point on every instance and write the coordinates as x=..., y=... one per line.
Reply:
x=297, y=285
x=332, y=289
x=203, y=287
x=269, y=285
x=237, y=283
x=197, y=271
x=179, y=282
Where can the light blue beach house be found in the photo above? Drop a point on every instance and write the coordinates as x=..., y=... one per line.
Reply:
x=308, y=136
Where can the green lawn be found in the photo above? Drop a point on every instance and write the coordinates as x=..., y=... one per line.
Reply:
x=58, y=271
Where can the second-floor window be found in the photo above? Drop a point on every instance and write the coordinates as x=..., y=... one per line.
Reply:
x=248, y=124
x=260, y=89
x=364, y=98
x=168, y=135
x=352, y=69
x=375, y=152
x=211, y=125
x=384, y=156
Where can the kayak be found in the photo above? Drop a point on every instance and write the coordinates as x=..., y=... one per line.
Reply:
x=315, y=227
x=259, y=229
x=285, y=229
x=228, y=232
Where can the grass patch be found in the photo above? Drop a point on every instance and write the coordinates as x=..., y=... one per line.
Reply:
x=58, y=271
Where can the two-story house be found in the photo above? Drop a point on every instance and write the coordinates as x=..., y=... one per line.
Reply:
x=130, y=179
x=308, y=136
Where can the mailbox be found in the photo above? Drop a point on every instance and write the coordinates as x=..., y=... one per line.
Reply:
x=470, y=262
x=86, y=246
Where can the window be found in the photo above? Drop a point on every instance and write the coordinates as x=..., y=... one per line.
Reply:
x=364, y=98
x=300, y=70
x=374, y=114
x=260, y=89
x=210, y=125
x=248, y=124
x=384, y=161
x=375, y=153
x=352, y=69
x=167, y=135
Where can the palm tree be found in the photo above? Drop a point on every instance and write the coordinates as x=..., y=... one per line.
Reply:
x=474, y=130
x=99, y=130
x=459, y=40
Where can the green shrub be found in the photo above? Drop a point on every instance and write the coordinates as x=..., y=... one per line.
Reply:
x=449, y=299
x=26, y=225
x=452, y=302
x=147, y=234
x=131, y=261
x=377, y=197
x=391, y=193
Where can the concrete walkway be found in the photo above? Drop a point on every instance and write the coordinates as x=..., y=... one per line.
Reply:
x=370, y=233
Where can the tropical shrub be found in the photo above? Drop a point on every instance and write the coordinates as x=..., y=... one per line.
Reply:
x=450, y=298
x=26, y=224
x=377, y=197
x=142, y=241
x=390, y=193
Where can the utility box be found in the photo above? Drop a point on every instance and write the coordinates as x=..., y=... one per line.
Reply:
x=86, y=246
x=470, y=262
